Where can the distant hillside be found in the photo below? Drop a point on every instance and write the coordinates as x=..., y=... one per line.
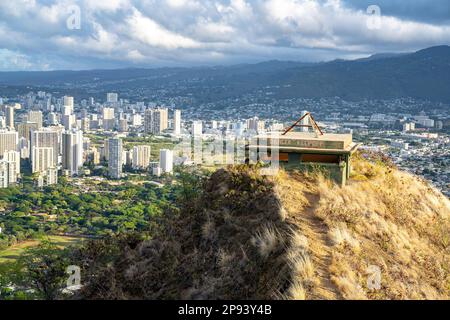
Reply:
x=423, y=75
x=294, y=236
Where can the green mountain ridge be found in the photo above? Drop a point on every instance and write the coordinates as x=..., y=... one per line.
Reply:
x=424, y=74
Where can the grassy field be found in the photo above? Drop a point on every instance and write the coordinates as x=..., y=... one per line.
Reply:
x=12, y=253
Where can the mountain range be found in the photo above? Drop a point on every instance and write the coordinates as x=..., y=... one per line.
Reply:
x=424, y=74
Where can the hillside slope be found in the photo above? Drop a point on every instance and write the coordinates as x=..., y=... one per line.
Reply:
x=384, y=218
x=293, y=236
x=424, y=74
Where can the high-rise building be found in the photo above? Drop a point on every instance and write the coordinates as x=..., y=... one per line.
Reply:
x=13, y=160
x=8, y=141
x=197, y=128
x=2, y=122
x=24, y=129
x=46, y=138
x=105, y=153
x=166, y=160
x=177, y=122
x=85, y=124
x=409, y=126
x=72, y=155
x=112, y=97
x=127, y=157
x=48, y=177
x=148, y=116
x=123, y=125
x=52, y=119
x=156, y=120
x=108, y=118
x=24, y=148
x=36, y=117
x=4, y=174
x=41, y=159
x=9, y=116
x=115, y=158
x=68, y=102
x=141, y=157
x=136, y=120
x=67, y=110
x=69, y=121
x=254, y=124
x=94, y=155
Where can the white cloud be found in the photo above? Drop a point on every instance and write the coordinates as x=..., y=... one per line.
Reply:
x=151, y=33
x=202, y=31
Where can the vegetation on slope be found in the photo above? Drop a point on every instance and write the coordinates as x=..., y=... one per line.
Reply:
x=391, y=220
x=240, y=235
x=385, y=219
x=294, y=236
x=226, y=243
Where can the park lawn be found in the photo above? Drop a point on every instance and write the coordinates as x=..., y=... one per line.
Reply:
x=12, y=253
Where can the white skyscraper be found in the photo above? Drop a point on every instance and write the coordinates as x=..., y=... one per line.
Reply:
x=115, y=158
x=166, y=160
x=72, y=157
x=136, y=120
x=13, y=160
x=85, y=124
x=49, y=139
x=4, y=174
x=254, y=124
x=41, y=159
x=52, y=119
x=68, y=106
x=177, y=122
x=68, y=101
x=197, y=128
x=67, y=110
x=156, y=120
x=141, y=157
x=48, y=177
x=8, y=141
x=108, y=118
x=24, y=148
x=36, y=117
x=9, y=110
x=69, y=121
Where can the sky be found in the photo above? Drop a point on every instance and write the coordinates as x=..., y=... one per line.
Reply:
x=105, y=34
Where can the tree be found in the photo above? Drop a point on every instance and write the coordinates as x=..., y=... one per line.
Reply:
x=45, y=269
x=190, y=186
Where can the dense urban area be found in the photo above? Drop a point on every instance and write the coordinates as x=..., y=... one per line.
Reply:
x=79, y=168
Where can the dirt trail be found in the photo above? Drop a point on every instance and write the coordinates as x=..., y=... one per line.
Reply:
x=315, y=229
x=321, y=250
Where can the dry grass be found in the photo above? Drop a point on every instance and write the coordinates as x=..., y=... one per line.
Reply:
x=395, y=221
x=383, y=217
x=267, y=241
x=296, y=292
x=341, y=236
x=293, y=236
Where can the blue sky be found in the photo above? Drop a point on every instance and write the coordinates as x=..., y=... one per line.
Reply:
x=34, y=34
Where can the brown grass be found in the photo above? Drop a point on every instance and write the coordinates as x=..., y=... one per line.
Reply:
x=395, y=221
x=293, y=236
